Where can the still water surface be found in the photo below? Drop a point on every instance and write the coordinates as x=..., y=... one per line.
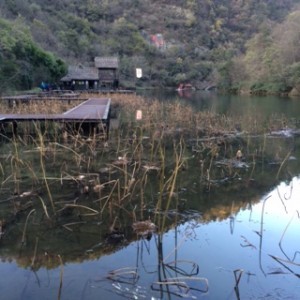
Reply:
x=232, y=105
x=240, y=240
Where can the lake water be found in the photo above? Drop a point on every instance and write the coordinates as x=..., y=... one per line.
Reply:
x=236, y=239
x=232, y=105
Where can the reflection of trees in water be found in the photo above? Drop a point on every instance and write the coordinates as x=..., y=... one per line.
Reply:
x=162, y=269
x=90, y=238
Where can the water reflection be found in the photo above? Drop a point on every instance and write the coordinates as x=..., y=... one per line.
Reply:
x=254, y=246
x=194, y=260
x=230, y=233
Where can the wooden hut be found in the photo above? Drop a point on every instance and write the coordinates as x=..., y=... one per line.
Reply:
x=104, y=75
x=108, y=70
x=81, y=78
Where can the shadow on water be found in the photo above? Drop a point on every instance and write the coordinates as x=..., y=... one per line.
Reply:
x=227, y=231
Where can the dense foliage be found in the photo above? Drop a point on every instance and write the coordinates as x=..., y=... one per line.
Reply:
x=232, y=43
x=23, y=64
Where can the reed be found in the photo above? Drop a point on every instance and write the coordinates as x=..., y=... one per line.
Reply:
x=237, y=275
x=144, y=159
x=61, y=277
x=170, y=184
x=42, y=164
x=44, y=208
x=23, y=241
x=282, y=163
x=34, y=253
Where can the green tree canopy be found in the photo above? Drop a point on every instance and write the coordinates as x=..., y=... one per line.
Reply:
x=23, y=64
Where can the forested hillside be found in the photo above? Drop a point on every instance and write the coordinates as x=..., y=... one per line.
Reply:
x=230, y=43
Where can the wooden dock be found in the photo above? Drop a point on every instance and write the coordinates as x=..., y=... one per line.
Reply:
x=51, y=95
x=91, y=112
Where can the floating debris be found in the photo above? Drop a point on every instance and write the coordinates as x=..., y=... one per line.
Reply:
x=151, y=168
x=239, y=155
x=134, y=292
x=144, y=228
x=105, y=170
x=121, y=161
x=125, y=275
x=233, y=163
x=182, y=286
x=80, y=177
x=85, y=189
x=27, y=194
x=285, y=133
x=98, y=188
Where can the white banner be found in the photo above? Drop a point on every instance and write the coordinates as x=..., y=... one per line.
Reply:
x=139, y=73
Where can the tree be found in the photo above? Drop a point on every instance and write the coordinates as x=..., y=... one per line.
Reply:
x=23, y=63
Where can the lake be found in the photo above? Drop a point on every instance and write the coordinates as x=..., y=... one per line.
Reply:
x=230, y=231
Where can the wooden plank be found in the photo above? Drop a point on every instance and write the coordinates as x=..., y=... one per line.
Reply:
x=91, y=110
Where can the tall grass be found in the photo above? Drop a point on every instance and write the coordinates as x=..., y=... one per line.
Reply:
x=133, y=176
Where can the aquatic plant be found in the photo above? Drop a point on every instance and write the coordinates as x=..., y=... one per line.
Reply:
x=74, y=181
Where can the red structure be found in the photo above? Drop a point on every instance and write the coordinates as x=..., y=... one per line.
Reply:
x=158, y=41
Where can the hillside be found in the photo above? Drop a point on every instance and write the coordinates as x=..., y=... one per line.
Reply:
x=173, y=41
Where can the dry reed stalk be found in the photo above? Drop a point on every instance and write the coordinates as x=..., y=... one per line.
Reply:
x=161, y=186
x=181, y=282
x=95, y=212
x=42, y=164
x=261, y=233
x=44, y=208
x=35, y=251
x=125, y=275
x=253, y=167
x=282, y=163
x=284, y=232
x=16, y=162
x=61, y=277
x=175, y=249
x=66, y=226
x=1, y=169
x=78, y=156
x=171, y=183
x=173, y=265
x=31, y=170
x=6, y=179
x=287, y=261
x=116, y=184
x=23, y=241
x=237, y=275
x=143, y=184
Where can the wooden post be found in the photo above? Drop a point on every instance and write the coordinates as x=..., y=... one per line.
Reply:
x=108, y=124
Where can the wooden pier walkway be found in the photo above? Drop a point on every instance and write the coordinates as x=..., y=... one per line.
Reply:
x=92, y=112
x=52, y=95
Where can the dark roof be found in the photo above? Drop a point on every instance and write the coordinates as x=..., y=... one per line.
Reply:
x=107, y=62
x=81, y=73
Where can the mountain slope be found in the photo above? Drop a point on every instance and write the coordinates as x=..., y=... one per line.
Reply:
x=198, y=35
